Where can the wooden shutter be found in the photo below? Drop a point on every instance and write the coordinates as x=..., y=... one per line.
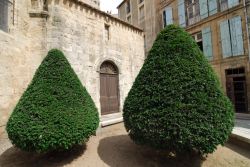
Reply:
x=203, y=9
x=232, y=3
x=164, y=18
x=207, y=43
x=225, y=39
x=104, y=94
x=113, y=93
x=169, y=15
x=181, y=13
x=236, y=36
x=212, y=7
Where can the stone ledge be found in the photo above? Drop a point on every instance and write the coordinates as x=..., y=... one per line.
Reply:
x=240, y=136
x=239, y=141
x=242, y=116
x=111, y=122
x=39, y=13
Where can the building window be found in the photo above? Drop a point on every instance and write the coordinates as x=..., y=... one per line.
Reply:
x=129, y=19
x=141, y=13
x=207, y=8
x=167, y=16
x=226, y=4
x=6, y=14
x=231, y=37
x=236, y=88
x=182, y=13
x=128, y=7
x=198, y=39
x=223, y=5
x=107, y=33
x=204, y=41
x=193, y=11
x=207, y=47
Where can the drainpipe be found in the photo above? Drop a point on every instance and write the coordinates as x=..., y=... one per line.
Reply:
x=246, y=20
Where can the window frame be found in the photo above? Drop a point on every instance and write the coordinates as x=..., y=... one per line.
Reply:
x=141, y=18
x=8, y=16
x=128, y=7
x=106, y=32
x=233, y=53
x=194, y=6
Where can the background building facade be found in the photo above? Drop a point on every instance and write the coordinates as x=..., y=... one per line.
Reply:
x=141, y=13
x=220, y=30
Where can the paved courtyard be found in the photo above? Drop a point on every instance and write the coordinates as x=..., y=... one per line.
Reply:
x=112, y=147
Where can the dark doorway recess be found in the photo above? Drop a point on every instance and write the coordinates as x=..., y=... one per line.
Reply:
x=237, y=88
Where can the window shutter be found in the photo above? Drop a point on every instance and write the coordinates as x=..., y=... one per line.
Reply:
x=232, y=3
x=169, y=16
x=164, y=18
x=4, y=15
x=225, y=39
x=207, y=43
x=181, y=13
x=212, y=7
x=203, y=9
x=236, y=36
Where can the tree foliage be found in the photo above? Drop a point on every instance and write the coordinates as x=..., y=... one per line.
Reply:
x=176, y=101
x=55, y=112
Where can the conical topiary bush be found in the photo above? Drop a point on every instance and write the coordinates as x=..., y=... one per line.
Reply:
x=55, y=112
x=176, y=102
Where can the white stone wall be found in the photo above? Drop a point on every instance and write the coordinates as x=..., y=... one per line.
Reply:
x=79, y=32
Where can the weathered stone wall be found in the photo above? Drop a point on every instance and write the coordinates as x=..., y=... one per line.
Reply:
x=80, y=33
x=78, y=30
x=21, y=51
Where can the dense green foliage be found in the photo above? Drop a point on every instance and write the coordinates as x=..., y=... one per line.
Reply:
x=176, y=102
x=55, y=112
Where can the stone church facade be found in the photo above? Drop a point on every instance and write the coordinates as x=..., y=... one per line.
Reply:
x=105, y=52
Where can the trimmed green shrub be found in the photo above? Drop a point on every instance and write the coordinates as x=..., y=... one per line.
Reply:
x=55, y=112
x=176, y=102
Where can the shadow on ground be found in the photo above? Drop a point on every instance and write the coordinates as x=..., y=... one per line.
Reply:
x=14, y=157
x=120, y=151
x=240, y=147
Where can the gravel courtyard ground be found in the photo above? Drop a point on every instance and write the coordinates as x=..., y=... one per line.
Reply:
x=112, y=147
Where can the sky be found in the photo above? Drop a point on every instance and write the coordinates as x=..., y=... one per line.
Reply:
x=110, y=5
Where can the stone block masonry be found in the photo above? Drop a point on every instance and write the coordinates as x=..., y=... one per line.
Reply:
x=78, y=30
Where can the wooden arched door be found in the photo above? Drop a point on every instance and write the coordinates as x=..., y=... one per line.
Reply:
x=109, y=88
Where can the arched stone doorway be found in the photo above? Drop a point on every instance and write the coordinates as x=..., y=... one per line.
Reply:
x=109, y=88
